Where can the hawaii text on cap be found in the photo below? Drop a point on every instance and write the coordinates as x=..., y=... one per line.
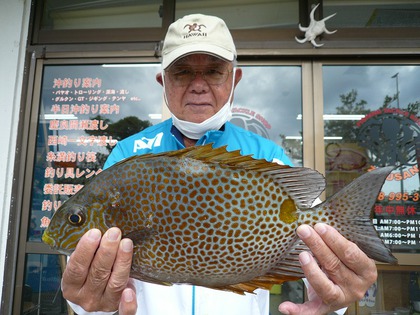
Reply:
x=197, y=33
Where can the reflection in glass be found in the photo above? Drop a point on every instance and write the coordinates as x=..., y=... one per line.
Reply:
x=81, y=14
x=267, y=101
x=239, y=14
x=373, y=14
x=41, y=291
x=394, y=292
x=85, y=110
x=378, y=126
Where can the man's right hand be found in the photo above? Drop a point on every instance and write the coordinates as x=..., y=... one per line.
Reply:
x=97, y=274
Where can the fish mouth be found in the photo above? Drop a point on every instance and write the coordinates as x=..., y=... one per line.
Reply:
x=47, y=239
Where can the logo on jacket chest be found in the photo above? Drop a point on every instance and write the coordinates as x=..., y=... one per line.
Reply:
x=147, y=143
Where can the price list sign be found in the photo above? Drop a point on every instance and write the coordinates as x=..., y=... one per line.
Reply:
x=397, y=214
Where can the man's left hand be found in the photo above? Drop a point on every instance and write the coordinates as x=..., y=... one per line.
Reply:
x=341, y=276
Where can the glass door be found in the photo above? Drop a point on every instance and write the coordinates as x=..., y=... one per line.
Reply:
x=371, y=119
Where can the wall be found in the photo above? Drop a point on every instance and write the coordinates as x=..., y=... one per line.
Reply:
x=14, y=19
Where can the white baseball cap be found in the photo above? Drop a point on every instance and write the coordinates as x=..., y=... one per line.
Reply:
x=197, y=33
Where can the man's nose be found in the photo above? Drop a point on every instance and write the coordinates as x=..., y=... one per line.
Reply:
x=199, y=80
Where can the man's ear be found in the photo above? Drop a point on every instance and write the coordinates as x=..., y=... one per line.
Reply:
x=159, y=78
x=238, y=75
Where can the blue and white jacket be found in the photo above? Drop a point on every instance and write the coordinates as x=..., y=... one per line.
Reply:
x=165, y=137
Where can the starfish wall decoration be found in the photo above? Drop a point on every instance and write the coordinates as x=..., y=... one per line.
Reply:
x=314, y=29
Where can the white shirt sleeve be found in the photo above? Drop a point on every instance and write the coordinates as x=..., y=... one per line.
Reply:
x=80, y=311
x=154, y=299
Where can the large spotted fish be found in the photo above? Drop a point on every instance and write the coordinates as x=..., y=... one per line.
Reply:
x=214, y=218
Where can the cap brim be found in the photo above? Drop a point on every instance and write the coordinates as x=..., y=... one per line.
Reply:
x=185, y=50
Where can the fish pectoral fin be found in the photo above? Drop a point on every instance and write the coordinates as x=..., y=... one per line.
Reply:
x=141, y=236
x=289, y=264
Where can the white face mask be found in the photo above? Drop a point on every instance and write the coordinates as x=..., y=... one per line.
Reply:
x=197, y=130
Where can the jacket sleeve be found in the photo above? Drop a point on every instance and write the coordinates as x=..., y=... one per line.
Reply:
x=281, y=158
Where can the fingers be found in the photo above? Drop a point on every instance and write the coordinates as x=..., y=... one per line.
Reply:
x=104, y=267
x=327, y=259
x=102, y=264
x=78, y=265
x=308, y=308
x=118, y=279
x=345, y=273
x=128, y=305
x=348, y=253
x=326, y=294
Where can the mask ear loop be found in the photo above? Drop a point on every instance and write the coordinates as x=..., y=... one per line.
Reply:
x=164, y=87
x=233, y=86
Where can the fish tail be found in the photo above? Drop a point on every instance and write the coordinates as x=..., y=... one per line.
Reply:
x=350, y=212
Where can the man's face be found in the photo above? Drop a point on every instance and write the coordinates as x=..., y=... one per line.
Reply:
x=193, y=96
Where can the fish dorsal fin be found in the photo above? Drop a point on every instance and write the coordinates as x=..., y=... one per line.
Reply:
x=302, y=184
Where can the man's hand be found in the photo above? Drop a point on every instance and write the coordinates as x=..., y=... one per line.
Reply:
x=344, y=277
x=97, y=274
x=128, y=303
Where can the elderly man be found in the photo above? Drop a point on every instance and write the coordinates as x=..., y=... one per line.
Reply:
x=199, y=75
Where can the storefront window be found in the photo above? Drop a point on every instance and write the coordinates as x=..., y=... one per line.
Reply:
x=372, y=14
x=80, y=14
x=240, y=14
x=85, y=110
x=41, y=291
x=61, y=15
x=371, y=119
x=394, y=293
x=267, y=101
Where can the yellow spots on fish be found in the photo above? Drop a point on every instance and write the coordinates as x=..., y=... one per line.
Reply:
x=288, y=211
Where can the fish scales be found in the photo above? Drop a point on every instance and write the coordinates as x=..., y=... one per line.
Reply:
x=222, y=219
x=214, y=218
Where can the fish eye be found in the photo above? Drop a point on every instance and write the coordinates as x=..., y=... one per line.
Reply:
x=77, y=218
